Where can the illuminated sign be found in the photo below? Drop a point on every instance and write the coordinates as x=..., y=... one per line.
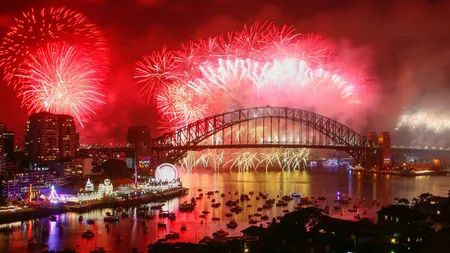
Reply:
x=144, y=162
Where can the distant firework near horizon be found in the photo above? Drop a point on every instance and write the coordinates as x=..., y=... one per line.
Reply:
x=264, y=64
x=425, y=120
x=37, y=27
x=62, y=79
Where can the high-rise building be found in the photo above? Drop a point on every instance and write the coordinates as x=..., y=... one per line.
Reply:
x=50, y=137
x=2, y=153
x=8, y=146
x=139, y=137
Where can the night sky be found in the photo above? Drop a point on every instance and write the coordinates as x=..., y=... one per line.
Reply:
x=404, y=45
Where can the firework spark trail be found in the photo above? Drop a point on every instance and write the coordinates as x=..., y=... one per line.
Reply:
x=61, y=79
x=37, y=27
x=263, y=64
x=426, y=120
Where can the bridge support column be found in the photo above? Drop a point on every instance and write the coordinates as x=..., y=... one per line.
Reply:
x=386, y=149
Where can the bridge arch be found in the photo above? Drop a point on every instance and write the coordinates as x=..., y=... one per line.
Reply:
x=330, y=133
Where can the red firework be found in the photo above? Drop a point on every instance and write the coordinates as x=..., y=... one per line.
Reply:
x=62, y=79
x=37, y=27
x=264, y=64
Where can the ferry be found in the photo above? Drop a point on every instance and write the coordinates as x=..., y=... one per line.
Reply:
x=296, y=195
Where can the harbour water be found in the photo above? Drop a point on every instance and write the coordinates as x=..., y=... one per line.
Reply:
x=318, y=182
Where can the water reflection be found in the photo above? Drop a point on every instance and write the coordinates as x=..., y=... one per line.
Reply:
x=310, y=183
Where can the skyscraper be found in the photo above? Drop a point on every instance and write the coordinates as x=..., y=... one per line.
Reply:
x=2, y=153
x=50, y=137
x=139, y=137
x=8, y=146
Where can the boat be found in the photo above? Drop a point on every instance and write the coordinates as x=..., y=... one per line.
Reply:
x=364, y=212
x=232, y=224
x=52, y=218
x=80, y=218
x=110, y=219
x=119, y=209
x=186, y=207
x=107, y=227
x=322, y=198
x=267, y=206
x=259, y=209
x=60, y=226
x=236, y=209
x=337, y=207
x=87, y=234
x=98, y=250
x=199, y=190
x=125, y=215
x=264, y=217
x=257, y=214
x=222, y=195
x=216, y=191
x=205, y=212
x=183, y=227
x=228, y=214
x=32, y=241
x=161, y=225
x=296, y=195
x=163, y=214
x=249, y=205
x=215, y=218
x=252, y=221
x=281, y=203
x=286, y=198
x=205, y=240
x=118, y=238
x=172, y=235
x=108, y=214
x=220, y=233
x=201, y=216
x=250, y=193
x=210, y=193
x=285, y=211
x=215, y=205
x=90, y=221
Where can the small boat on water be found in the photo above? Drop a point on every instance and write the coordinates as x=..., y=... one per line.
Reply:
x=87, y=234
x=183, y=227
x=90, y=221
x=125, y=215
x=201, y=216
x=119, y=209
x=80, y=218
x=119, y=238
x=257, y=214
x=161, y=225
x=259, y=209
x=215, y=205
x=286, y=198
x=296, y=195
x=322, y=198
x=107, y=227
x=281, y=203
x=60, y=226
x=157, y=207
x=232, y=224
x=252, y=221
x=108, y=214
x=249, y=205
x=32, y=241
x=45, y=232
x=98, y=250
x=215, y=218
x=267, y=206
x=52, y=218
x=228, y=214
x=337, y=207
x=220, y=233
x=205, y=212
x=172, y=235
x=264, y=217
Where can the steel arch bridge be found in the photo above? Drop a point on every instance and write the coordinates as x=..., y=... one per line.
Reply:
x=261, y=127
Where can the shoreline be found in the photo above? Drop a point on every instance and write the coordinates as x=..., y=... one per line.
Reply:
x=47, y=211
x=405, y=174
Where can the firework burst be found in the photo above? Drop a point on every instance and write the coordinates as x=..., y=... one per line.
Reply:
x=262, y=64
x=61, y=79
x=37, y=27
